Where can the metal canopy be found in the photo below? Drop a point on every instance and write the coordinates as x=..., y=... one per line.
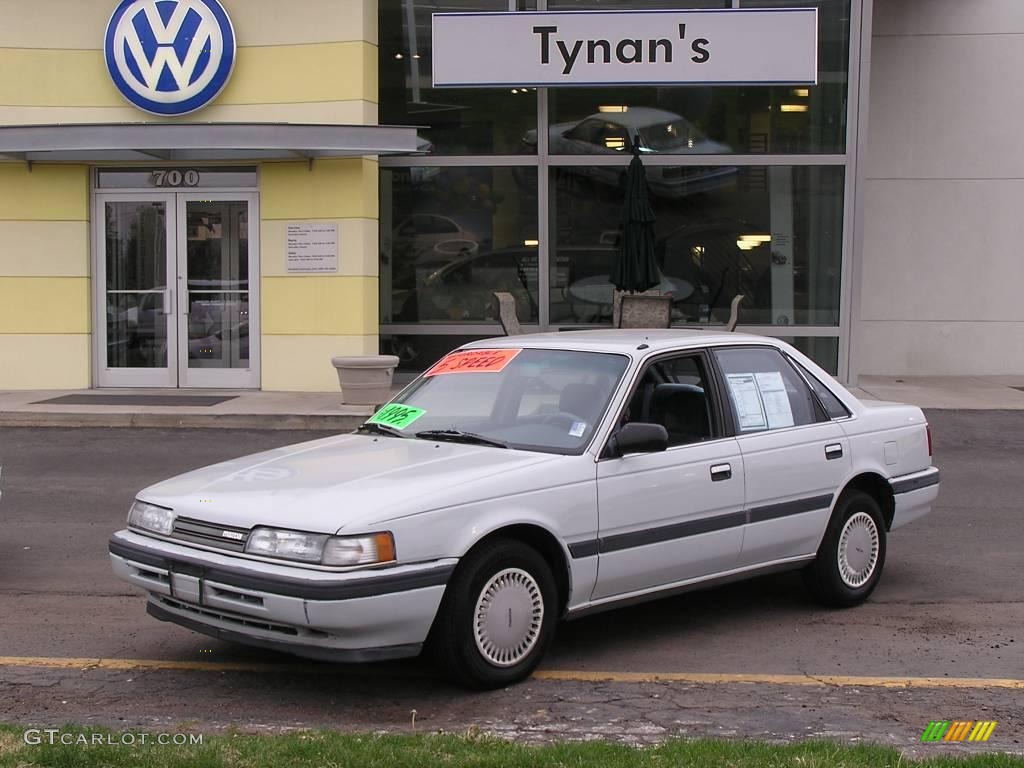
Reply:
x=190, y=142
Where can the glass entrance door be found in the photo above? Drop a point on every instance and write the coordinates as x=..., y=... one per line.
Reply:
x=179, y=281
x=216, y=282
x=138, y=337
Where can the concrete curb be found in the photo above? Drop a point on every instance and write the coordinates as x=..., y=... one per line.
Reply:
x=328, y=423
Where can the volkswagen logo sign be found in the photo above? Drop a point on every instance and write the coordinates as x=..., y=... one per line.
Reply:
x=170, y=57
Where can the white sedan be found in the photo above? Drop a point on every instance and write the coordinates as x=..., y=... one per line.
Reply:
x=530, y=479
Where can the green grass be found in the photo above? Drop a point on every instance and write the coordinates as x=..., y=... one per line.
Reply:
x=323, y=749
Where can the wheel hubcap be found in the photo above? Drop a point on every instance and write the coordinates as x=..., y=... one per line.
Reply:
x=508, y=617
x=858, y=550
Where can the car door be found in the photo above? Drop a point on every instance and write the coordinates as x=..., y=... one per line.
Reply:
x=675, y=515
x=794, y=456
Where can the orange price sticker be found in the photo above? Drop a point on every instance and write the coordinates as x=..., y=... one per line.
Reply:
x=474, y=361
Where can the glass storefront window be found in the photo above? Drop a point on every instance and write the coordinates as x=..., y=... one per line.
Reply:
x=453, y=236
x=460, y=121
x=824, y=350
x=456, y=231
x=417, y=352
x=710, y=120
x=773, y=234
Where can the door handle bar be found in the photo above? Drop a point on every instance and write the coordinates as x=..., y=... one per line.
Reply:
x=720, y=472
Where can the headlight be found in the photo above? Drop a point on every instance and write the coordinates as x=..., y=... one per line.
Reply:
x=321, y=548
x=150, y=517
x=289, y=545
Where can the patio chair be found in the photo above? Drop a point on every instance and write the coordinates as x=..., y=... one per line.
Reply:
x=734, y=312
x=507, y=313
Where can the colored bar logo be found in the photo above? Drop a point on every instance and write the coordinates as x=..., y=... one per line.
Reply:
x=958, y=730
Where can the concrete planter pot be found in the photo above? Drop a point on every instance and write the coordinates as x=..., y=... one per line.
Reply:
x=365, y=380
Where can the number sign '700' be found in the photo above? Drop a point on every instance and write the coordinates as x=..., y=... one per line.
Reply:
x=175, y=178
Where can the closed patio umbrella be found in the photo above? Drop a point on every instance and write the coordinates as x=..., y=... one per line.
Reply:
x=636, y=269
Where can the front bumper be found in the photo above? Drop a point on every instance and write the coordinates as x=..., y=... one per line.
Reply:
x=352, y=616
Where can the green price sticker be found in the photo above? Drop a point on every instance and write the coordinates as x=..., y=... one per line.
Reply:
x=396, y=415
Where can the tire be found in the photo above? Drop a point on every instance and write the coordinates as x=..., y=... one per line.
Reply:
x=852, y=553
x=501, y=577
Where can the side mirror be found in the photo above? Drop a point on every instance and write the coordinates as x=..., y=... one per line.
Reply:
x=639, y=437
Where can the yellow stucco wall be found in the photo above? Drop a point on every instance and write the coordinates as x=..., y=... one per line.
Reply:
x=314, y=62
x=307, y=319
x=44, y=283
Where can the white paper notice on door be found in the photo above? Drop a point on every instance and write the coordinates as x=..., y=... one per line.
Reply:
x=776, y=401
x=746, y=398
x=312, y=247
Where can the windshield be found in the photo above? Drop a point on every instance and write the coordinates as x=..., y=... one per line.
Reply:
x=531, y=399
x=668, y=136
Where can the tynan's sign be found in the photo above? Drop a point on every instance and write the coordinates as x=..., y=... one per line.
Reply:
x=170, y=57
x=723, y=46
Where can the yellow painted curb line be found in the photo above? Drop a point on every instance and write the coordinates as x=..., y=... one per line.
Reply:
x=826, y=680
x=707, y=678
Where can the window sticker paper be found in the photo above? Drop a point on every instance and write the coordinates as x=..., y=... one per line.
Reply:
x=578, y=428
x=746, y=397
x=474, y=361
x=396, y=415
x=776, y=401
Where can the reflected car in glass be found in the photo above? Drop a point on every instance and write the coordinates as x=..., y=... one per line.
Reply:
x=529, y=479
x=652, y=131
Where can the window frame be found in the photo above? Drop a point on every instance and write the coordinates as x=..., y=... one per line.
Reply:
x=719, y=417
x=809, y=378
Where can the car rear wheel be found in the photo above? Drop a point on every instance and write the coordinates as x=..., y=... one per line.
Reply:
x=497, y=617
x=852, y=553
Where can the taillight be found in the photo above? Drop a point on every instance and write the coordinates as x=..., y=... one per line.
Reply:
x=928, y=429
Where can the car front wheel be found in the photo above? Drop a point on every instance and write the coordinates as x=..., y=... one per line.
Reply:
x=852, y=553
x=498, y=616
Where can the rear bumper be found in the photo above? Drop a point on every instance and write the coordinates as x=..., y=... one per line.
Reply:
x=914, y=495
x=350, y=616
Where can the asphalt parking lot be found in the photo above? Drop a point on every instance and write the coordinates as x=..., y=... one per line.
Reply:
x=756, y=659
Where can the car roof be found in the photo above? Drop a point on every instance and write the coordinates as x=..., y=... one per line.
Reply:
x=622, y=340
x=640, y=117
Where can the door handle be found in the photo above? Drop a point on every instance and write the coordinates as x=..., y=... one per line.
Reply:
x=833, y=451
x=168, y=301
x=720, y=472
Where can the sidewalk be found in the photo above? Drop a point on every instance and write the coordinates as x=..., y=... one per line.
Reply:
x=248, y=409
x=240, y=409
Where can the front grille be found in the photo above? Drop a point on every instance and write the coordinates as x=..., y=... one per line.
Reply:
x=199, y=532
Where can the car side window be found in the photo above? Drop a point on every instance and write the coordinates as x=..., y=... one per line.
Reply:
x=765, y=391
x=675, y=394
x=587, y=131
x=833, y=405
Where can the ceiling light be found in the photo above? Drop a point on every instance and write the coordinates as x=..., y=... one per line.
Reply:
x=613, y=108
x=793, y=108
x=399, y=56
x=531, y=243
x=803, y=93
x=757, y=238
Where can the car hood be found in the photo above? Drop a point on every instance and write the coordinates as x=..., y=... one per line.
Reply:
x=348, y=480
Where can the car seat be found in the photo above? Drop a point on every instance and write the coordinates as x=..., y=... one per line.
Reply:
x=683, y=410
